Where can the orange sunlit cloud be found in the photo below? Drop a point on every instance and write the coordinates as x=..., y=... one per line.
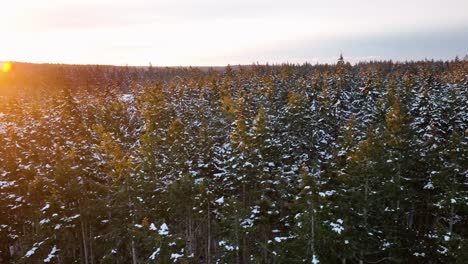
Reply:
x=6, y=67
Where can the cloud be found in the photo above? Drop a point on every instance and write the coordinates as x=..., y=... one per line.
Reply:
x=213, y=32
x=376, y=14
x=439, y=44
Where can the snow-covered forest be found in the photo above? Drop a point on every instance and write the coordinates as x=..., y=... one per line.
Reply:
x=339, y=163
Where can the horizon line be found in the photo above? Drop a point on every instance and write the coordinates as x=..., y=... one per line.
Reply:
x=376, y=59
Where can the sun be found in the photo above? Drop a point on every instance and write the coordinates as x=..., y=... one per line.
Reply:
x=7, y=67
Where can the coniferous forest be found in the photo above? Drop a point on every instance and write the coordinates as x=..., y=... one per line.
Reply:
x=326, y=163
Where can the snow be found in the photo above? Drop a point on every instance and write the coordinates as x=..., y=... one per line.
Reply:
x=327, y=193
x=44, y=221
x=248, y=164
x=175, y=256
x=163, y=230
x=419, y=254
x=279, y=239
x=152, y=227
x=228, y=247
x=443, y=250
x=255, y=210
x=315, y=259
x=336, y=227
x=428, y=186
x=33, y=249
x=246, y=223
x=69, y=219
x=198, y=181
x=47, y=206
x=220, y=200
x=5, y=184
x=127, y=98
x=155, y=254
x=51, y=254
x=30, y=252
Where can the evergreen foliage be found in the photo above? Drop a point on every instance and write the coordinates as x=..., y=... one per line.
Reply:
x=340, y=163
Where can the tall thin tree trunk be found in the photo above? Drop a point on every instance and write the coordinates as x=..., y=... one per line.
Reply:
x=312, y=227
x=452, y=209
x=452, y=214
x=134, y=257
x=245, y=251
x=189, y=233
x=132, y=213
x=265, y=239
x=398, y=182
x=91, y=257
x=83, y=237
x=244, y=238
x=411, y=216
x=208, y=242
x=82, y=259
x=236, y=228
x=73, y=251
x=366, y=194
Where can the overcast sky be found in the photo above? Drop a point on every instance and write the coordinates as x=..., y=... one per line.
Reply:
x=217, y=32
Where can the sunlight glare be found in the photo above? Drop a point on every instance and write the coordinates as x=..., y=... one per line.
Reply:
x=6, y=67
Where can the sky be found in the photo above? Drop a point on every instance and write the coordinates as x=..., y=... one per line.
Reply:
x=218, y=32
